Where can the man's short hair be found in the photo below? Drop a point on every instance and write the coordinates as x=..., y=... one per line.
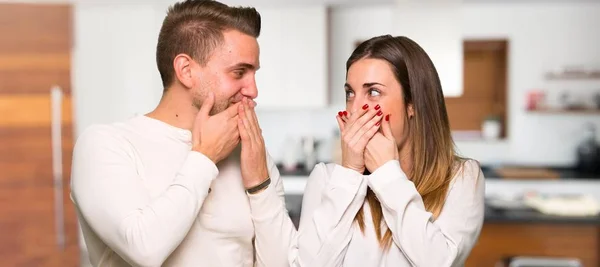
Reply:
x=195, y=28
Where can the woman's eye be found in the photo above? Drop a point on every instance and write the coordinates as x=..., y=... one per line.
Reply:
x=374, y=92
x=349, y=94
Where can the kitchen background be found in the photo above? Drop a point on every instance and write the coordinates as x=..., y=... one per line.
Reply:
x=522, y=81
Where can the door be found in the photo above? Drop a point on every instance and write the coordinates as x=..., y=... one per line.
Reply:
x=38, y=224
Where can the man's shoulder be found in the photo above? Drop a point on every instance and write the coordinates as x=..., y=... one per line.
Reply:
x=103, y=134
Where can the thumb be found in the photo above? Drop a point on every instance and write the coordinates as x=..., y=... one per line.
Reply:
x=387, y=128
x=207, y=105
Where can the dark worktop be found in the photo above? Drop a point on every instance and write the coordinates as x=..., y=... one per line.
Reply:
x=567, y=173
x=532, y=216
x=294, y=206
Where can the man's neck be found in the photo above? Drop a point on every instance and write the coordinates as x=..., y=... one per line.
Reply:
x=175, y=108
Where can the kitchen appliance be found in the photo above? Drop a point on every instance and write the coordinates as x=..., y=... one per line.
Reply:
x=588, y=152
x=309, y=147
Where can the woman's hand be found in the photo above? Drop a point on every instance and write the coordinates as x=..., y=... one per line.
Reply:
x=381, y=148
x=356, y=132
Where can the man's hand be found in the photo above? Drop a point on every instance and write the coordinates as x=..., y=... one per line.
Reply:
x=215, y=136
x=253, y=156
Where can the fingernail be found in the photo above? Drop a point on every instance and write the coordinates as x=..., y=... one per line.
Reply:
x=387, y=117
x=340, y=113
x=377, y=107
x=377, y=124
x=379, y=113
x=345, y=113
x=365, y=106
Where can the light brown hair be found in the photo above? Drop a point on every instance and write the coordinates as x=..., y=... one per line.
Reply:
x=195, y=28
x=433, y=155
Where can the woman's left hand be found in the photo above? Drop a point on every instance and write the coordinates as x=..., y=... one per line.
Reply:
x=381, y=148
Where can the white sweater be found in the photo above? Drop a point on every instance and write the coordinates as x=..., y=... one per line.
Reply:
x=143, y=199
x=329, y=237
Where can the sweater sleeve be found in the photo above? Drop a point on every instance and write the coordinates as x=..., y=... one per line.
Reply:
x=274, y=230
x=448, y=240
x=332, y=197
x=110, y=195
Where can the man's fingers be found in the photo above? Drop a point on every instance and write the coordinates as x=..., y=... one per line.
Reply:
x=207, y=105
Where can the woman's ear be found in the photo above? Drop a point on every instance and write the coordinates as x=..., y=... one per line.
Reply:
x=182, y=64
x=411, y=111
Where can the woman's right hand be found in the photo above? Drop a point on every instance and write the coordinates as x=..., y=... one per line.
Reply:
x=356, y=131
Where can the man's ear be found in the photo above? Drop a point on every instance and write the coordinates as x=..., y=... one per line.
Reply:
x=183, y=66
x=411, y=111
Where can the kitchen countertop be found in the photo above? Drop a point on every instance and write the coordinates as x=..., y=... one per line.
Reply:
x=488, y=171
x=532, y=216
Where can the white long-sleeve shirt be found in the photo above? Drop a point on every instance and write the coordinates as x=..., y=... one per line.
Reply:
x=328, y=236
x=142, y=198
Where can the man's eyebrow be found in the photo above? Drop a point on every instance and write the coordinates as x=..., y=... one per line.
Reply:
x=245, y=65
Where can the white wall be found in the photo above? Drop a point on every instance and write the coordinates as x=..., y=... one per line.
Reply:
x=107, y=88
x=542, y=36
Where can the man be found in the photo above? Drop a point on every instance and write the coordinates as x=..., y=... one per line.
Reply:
x=170, y=188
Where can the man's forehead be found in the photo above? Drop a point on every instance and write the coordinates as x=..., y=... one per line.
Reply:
x=239, y=48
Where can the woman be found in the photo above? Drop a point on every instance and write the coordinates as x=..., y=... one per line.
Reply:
x=402, y=197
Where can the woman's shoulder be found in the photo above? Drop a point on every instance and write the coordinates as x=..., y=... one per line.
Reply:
x=323, y=169
x=468, y=170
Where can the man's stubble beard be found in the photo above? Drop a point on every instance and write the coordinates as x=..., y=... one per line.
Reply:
x=200, y=96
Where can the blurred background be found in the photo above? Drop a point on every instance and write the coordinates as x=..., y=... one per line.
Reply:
x=521, y=80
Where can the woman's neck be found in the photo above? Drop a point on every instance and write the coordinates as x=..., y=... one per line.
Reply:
x=406, y=159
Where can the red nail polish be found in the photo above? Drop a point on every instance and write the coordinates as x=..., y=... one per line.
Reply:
x=345, y=113
x=379, y=113
x=377, y=124
x=377, y=107
x=366, y=106
x=387, y=117
x=340, y=113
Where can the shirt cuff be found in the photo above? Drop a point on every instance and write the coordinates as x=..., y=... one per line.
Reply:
x=386, y=174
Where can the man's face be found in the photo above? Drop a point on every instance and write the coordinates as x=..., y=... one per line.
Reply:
x=229, y=72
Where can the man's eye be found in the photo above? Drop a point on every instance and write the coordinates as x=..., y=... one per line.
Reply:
x=238, y=73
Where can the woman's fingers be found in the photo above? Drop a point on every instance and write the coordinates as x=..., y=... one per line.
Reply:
x=356, y=114
x=363, y=132
x=340, y=121
x=354, y=128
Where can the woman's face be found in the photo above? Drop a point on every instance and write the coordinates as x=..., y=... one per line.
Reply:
x=371, y=81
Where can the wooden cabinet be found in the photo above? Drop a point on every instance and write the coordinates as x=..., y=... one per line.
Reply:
x=38, y=224
x=502, y=240
x=293, y=58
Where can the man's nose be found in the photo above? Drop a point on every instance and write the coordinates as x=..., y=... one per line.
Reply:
x=250, y=90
